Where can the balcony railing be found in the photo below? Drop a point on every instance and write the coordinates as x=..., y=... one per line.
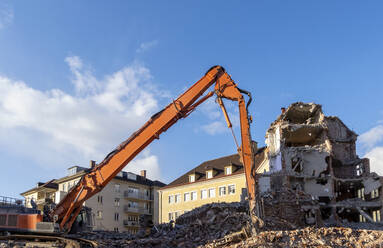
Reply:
x=137, y=195
x=139, y=210
x=131, y=223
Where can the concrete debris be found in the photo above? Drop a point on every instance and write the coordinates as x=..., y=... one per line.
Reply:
x=309, y=237
x=195, y=228
x=227, y=225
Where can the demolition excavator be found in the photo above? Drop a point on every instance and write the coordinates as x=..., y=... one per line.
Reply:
x=69, y=212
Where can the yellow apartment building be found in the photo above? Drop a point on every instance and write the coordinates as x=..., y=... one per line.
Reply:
x=218, y=180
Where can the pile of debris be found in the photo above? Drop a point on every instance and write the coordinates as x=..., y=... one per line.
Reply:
x=195, y=228
x=227, y=225
x=309, y=237
x=287, y=209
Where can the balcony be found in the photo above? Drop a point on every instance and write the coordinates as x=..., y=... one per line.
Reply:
x=137, y=195
x=131, y=223
x=138, y=210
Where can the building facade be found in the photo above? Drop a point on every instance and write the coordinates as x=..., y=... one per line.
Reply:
x=117, y=207
x=219, y=180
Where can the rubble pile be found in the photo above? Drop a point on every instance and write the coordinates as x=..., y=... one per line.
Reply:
x=286, y=209
x=195, y=228
x=227, y=225
x=309, y=237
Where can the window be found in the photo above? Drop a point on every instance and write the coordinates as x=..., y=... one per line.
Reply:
x=211, y=193
x=361, y=193
x=374, y=193
x=177, y=198
x=132, y=218
x=228, y=170
x=132, y=204
x=133, y=190
x=376, y=215
x=209, y=174
x=171, y=216
x=359, y=170
x=171, y=199
x=132, y=176
x=99, y=199
x=203, y=194
x=116, y=202
x=115, y=229
x=116, y=216
x=64, y=188
x=117, y=188
x=193, y=195
x=222, y=190
x=99, y=214
x=231, y=189
x=187, y=197
x=192, y=178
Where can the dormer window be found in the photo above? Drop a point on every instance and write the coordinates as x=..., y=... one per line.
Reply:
x=228, y=170
x=192, y=178
x=209, y=174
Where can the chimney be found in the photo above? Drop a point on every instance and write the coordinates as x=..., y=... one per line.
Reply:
x=283, y=110
x=92, y=164
x=143, y=173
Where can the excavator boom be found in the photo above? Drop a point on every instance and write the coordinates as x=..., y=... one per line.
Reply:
x=93, y=182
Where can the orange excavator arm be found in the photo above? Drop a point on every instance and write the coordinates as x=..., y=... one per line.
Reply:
x=94, y=181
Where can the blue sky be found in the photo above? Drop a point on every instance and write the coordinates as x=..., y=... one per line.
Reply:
x=77, y=78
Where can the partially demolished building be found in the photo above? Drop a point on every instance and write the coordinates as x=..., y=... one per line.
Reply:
x=311, y=173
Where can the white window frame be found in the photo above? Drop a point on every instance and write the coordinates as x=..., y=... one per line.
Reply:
x=192, y=178
x=209, y=174
x=191, y=195
x=210, y=194
x=116, y=202
x=219, y=191
x=177, y=196
x=171, y=199
x=186, y=199
x=117, y=188
x=230, y=168
x=99, y=214
x=228, y=191
x=202, y=195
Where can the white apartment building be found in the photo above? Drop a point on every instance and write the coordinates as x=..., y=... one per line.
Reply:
x=116, y=208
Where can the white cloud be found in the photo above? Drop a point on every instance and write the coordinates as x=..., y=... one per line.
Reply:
x=6, y=15
x=217, y=123
x=83, y=79
x=376, y=159
x=372, y=137
x=215, y=127
x=146, y=46
x=371, y=142
x=146, y=162
x=55, y=128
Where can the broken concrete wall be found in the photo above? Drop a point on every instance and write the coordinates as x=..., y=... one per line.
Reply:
x=316, y=154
